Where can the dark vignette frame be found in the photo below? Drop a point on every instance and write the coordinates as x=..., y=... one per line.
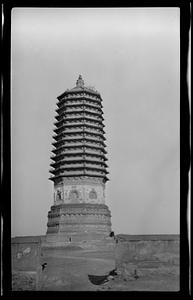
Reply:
x=6, y=134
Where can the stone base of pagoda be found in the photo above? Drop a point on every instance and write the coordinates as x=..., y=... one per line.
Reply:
x=83, y=225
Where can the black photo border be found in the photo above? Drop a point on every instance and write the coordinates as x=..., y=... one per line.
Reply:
x=6, y=8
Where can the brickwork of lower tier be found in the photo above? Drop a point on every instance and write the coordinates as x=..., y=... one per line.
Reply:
x=75, y=219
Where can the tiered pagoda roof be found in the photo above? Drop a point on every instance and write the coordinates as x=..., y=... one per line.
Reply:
x=79, y=142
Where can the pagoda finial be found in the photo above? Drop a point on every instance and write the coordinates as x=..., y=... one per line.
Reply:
x=80, y=81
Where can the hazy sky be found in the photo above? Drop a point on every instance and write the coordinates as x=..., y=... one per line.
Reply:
x=131, y=56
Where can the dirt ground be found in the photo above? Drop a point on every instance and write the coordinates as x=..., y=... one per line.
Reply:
x=69, y=270
x=158, y=283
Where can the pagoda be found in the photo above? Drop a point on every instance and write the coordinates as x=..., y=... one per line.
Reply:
x=79, y=169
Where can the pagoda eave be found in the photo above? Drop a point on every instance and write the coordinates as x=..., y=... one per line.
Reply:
x=98, y=148
x=81, y=139
x=83, y=160
x=53, y=178
x=61, y=156
x=77, y=168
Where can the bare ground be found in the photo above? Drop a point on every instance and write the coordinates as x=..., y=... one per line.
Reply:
x=69, y=270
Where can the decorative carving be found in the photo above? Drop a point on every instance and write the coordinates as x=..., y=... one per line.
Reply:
x=93, y=194
x=74, y=196
x=59, y=195
x=79, y=180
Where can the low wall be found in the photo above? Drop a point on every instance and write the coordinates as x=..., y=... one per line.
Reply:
x=134, y=256
x=147, y=255
x=25, y=252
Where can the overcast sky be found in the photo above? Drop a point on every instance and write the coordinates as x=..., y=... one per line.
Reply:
x=131, y=56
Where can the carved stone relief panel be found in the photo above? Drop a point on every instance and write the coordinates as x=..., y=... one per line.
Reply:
x=58, y=194
x=92, y=196
x=74, y=196
x=82, y=191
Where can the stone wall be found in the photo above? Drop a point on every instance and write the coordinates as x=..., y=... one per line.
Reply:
x=25, y=252
x=147, y=255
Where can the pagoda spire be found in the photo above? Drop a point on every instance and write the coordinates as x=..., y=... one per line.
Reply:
x=80, y=82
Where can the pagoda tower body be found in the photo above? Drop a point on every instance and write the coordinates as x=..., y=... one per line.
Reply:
x=79, y=169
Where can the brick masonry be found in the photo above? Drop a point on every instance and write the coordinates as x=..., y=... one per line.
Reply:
x=147, y=255
x=26, y=266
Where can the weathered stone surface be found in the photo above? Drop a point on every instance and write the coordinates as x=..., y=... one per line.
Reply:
x=79, y=190
x=79, y=169
x=67, y=268
x=147, y=257
x=128, y=270
x=26, y=252
x=78, y=222
x=24, y=281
